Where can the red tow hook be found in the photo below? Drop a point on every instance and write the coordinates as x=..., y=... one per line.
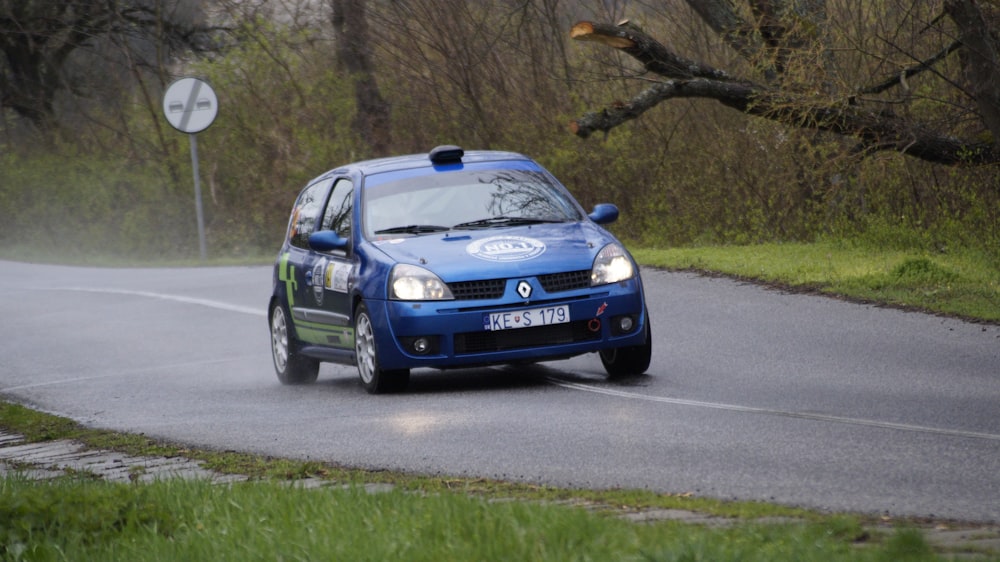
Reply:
x=594, y=325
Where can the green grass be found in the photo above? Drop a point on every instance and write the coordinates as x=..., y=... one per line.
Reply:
x=962, y=284
x=421, y=518
x=193, y=520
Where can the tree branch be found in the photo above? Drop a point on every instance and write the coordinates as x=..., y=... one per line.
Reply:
x=653, y=55
x=736, y=32
x=875, y=130
x=911, y=71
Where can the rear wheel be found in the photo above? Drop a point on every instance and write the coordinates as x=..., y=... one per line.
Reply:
x=631, y=360
x=290, y=366
x=375, y=379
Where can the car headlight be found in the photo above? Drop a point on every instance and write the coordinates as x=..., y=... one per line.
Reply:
x=413, y=283
x=611, y=265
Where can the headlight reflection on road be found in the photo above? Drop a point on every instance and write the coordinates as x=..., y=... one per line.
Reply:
x=414, y=423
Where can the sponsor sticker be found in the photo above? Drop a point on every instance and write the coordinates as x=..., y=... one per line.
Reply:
x=337, y=275
x=506, y=248
x=317, y=281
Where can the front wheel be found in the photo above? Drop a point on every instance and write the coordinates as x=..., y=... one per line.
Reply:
x=375, y=379
x=290, y=367
x=631, y=360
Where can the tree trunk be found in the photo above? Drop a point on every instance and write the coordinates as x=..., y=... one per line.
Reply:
x=354, y=56
x=981, y=61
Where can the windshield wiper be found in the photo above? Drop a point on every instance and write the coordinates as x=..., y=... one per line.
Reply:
x=413, y=229
x=503, y=221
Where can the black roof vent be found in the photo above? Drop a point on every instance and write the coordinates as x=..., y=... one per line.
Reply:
x=447, y=154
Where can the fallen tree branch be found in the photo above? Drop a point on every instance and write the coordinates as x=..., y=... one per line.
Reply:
x=687, y=79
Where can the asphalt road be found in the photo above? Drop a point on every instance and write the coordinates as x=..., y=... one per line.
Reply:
x=752, y=394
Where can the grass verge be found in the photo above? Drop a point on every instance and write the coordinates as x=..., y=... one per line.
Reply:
x=964, y=284
x=421, y=518
x=194, y=520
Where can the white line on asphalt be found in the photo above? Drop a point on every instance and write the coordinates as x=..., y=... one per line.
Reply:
x=175, y=298
x=128, y=372
x=747, y=409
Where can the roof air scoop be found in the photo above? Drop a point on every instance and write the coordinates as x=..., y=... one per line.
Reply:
x=447, y=154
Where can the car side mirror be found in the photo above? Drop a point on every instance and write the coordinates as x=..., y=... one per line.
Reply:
x=327, y=241
x=604, y=213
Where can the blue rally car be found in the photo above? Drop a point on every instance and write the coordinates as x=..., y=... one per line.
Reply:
x=450, y=259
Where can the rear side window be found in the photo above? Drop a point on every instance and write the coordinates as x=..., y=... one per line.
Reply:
x=338, y=211
x=305, y=214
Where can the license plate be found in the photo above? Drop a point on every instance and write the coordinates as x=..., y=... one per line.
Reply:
x=526, y=318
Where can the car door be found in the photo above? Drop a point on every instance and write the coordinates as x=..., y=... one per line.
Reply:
x=330, y=273
x=297, y=264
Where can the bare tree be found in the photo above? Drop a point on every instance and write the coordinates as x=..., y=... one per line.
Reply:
x=41, y=41
x=922, y=79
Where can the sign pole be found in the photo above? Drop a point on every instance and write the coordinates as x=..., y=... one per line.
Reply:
x=202, y=252
x=190, y=106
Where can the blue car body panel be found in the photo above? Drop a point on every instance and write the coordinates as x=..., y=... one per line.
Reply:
x=568, y=247
x=485, y=268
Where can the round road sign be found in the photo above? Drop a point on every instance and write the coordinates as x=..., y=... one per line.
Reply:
x=190, y=105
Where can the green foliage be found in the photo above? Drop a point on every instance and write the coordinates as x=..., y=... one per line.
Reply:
x=33, y=425
x=195, y=520
x=908, y=544
x=71, y=204
x=689, y=172
x=922, y=272
x=284, y=118
x=48, y=521
x=962, y=283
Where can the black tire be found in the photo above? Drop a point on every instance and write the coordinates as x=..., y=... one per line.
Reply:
x=631, y=360
x=289, y=365
x=375, y=379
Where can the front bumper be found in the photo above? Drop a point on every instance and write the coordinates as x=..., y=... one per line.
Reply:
x=454, y=334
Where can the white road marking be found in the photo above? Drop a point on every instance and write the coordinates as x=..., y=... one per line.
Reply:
x=747, y=409
x=125, y=373
x=175, y=298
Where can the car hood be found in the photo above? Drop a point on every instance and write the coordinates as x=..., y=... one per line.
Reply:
x=464, y=255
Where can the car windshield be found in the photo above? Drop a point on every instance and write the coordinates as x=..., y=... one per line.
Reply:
x=464, y=199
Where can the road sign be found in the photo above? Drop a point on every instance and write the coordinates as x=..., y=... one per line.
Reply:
x=190, y=105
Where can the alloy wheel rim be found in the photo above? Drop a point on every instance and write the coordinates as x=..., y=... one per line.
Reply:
x=365, y=349
x=279, y=339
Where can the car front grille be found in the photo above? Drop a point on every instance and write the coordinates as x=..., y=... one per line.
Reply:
x=472, y=290
x=555, y=282
x=494, y=288
x=539, y=336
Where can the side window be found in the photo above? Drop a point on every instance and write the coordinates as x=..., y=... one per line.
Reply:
x=305, y=215
x=338, y=211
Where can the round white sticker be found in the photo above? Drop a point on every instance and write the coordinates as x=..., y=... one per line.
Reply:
x=506, y=248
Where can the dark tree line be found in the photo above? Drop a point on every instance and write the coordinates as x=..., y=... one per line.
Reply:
x=89, y=48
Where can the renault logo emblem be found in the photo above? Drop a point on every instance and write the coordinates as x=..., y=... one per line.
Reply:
x=523, y=289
